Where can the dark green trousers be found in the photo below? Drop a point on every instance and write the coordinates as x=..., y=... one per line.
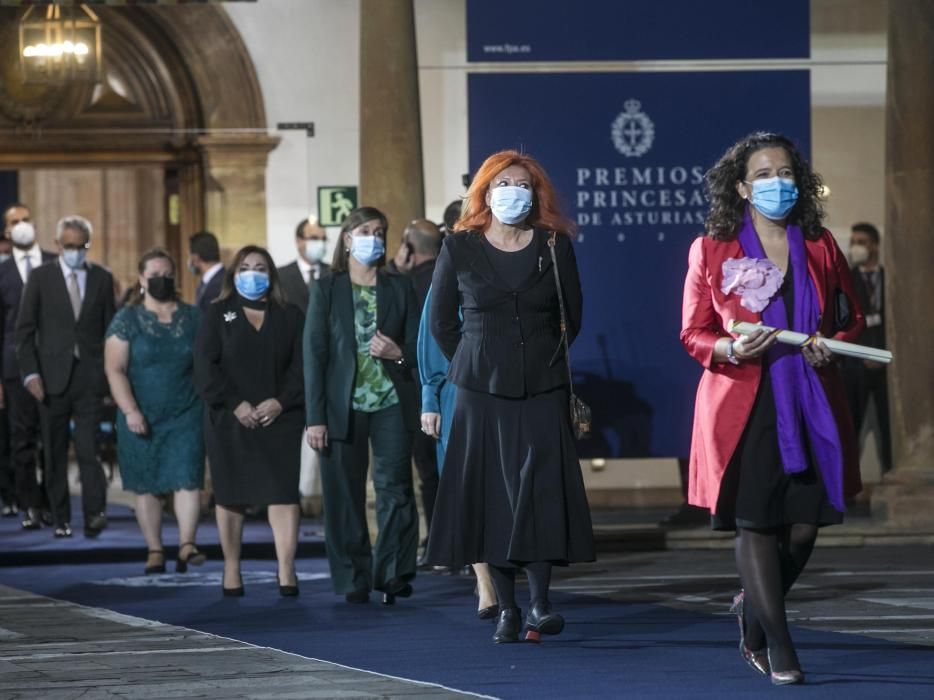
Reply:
x=354, y=564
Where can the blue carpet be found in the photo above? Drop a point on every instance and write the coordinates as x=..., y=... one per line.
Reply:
x=123, y=542
x=607, y=650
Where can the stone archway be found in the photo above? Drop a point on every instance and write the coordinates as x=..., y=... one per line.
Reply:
x=179, y=93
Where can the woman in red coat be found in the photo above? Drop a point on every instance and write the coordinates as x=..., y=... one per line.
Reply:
x=773, y=453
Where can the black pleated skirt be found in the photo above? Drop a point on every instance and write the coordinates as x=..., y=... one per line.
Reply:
x=756, y=493
x=511, y=490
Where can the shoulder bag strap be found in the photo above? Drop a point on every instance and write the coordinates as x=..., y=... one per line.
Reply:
x=564, y=323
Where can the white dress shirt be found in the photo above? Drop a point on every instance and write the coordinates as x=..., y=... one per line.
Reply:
x=309, y=272
x=82, y=273
x=35, y=259
x=210, y=272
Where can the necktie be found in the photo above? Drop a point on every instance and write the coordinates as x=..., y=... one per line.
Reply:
x=870, y=280
x=199, y=292
x=27, y=267
x=74, y=294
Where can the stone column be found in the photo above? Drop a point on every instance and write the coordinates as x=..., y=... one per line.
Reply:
x=391, y=175
x=235, y=188
x=906, y=496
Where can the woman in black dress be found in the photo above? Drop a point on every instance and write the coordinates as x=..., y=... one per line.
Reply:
x=511, y=491
x=248, y=370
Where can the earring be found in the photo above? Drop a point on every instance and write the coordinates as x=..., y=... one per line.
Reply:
x=142, y=290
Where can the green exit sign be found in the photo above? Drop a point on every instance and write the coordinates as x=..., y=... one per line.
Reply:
x=335, y=204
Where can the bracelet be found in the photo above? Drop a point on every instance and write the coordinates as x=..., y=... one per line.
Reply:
x=731, y=358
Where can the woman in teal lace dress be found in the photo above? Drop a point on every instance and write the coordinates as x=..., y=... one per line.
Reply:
x=160, y=444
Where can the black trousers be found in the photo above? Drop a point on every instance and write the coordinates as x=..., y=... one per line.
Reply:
x=865, y=385
x=425, y=455
x=355, y=565
x=7, y=473
x=81, y=400
x=23, y=412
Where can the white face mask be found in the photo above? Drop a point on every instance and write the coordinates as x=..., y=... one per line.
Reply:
x=23, y=234
x=314, y=250
x=858, y=254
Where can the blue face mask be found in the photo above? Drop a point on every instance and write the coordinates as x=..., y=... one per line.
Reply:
x=367, y=249
x=510, y=204
x=251, y=284
x=774, y=197
x=74, y=258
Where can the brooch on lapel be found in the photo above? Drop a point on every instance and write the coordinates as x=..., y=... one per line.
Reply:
x=755, y=281
x=230, y=316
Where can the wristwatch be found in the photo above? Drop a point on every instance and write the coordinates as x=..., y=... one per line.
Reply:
x=731, y=358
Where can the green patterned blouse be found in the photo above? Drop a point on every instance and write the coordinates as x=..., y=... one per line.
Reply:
x=373, y=389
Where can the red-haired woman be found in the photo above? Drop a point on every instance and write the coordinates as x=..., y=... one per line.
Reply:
x=511, y=491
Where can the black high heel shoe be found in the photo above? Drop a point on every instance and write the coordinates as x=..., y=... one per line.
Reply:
x=541, y=620
x=757, y=660
x=195, y=557
x=507, y=626
x=396, y=588
x=287, y=591
x=237, y=592
x=155, y=568
x=488, y=613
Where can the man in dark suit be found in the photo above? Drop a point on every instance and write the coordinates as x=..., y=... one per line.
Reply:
x=866, y=380
x=204, y=259
x=311, y=243
x=21, y=407
x=416, y=257
x=66, y=308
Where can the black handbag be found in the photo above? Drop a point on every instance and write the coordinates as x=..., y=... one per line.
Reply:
x=580, y=412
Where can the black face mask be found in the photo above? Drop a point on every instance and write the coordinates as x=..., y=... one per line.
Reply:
x=161, y=288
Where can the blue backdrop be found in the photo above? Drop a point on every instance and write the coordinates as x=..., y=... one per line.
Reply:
x=627, y=152
x=627, y=30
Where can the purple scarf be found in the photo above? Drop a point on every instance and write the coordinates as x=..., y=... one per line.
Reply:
x=800, y=400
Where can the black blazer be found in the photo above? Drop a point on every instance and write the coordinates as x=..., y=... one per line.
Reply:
x=11, y=291
x=293, y=284
x=205, y=296
x=873, y=336
x=47, y=332
x=509, y=342
x=330, y=349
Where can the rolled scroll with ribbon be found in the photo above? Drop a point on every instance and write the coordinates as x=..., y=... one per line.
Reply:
x=838, y=347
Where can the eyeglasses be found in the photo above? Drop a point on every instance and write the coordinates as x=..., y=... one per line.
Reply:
x=69, y=246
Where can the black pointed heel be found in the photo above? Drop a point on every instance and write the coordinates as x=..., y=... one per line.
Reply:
x=488, y=613
x=287, y=591
x=155, y=568
x=541, y=620
x=237, y=592
x=195, y=557
x=396, y=588
x=507, y=626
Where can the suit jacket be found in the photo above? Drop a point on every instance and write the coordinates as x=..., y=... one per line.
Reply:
x=47, y=331
x=330, y=349
x=11, y=291
x=727, y=392
x=206, y=295
x=293, y=284
x=873, y=336
x=421, y=276
x=509, y=342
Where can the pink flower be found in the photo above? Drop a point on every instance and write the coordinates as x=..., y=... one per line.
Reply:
x=756, y=281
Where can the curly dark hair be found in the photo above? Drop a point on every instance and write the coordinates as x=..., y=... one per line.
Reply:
x=727, y=207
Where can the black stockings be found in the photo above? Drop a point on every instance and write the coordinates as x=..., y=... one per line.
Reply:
x=769, y=563
x=504, y=581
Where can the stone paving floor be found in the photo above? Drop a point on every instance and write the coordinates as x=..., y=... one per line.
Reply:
x=95, y=654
